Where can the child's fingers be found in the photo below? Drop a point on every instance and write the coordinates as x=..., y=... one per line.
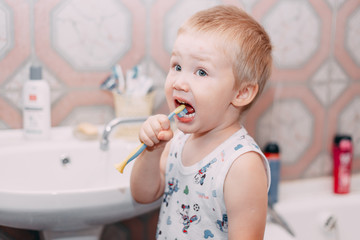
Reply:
x=144, y=138
x=151, y=128
x=148, y=133
x=166, y=135
x=164, y=122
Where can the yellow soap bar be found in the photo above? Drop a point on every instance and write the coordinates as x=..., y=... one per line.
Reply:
x=86, y=131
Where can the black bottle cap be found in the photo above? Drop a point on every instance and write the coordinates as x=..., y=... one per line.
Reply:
x=339, y=137
x=272, y=147
x=35, y=73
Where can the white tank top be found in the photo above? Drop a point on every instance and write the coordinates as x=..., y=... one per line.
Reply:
x=193, y=203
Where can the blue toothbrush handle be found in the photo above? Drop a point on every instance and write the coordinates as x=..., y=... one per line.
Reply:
x=137, y=153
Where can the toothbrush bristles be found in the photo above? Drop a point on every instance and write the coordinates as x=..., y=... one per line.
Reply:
x=182, y=113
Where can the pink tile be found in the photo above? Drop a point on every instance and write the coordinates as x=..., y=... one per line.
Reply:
x=157, y=48
x=317, y=112
x=64, y=106
x=62, y=69
x=333, y=117
x=9, y=115
x=303, y=72
x=262, y=7
x=137, y=51
x=341, y=53
x=21, y=49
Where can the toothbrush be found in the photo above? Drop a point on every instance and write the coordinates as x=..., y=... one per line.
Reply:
x=180, y=111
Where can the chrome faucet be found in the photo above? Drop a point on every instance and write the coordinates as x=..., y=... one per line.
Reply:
x=104, y=141
x=277, y=219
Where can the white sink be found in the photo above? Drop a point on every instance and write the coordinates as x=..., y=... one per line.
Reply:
x=276, y=232
x=64, y=200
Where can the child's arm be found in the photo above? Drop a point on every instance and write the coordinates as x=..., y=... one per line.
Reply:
x=245, y=194
x=148, y=173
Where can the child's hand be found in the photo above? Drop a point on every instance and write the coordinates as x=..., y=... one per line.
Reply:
x=156, y=131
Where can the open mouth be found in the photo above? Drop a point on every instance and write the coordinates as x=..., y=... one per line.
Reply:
x=190, y=109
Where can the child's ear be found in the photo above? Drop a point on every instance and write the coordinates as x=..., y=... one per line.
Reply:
x=245, y=95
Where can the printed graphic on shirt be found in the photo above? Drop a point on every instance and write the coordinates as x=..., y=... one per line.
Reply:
x=196, y=207
x=171, y=165
x=223, y=223
x=201, y=175
x=208, y=234
x=237, y=147
x=222, y=155
x=168, y=221
x=173, y=186
x=186, y=190
x=202, y=195
x=214, y=193
x=186, y=220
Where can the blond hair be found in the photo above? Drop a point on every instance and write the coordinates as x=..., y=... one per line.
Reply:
x=243, y=39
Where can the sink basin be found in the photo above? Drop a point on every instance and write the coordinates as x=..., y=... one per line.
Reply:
x=65, y=187
x=274, y=231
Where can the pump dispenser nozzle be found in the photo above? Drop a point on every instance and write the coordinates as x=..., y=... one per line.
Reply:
x=35, y=73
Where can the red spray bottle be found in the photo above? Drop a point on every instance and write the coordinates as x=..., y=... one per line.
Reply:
x=342, y=155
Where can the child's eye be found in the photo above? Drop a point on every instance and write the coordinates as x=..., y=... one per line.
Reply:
x=177, y=68
x=201, y=73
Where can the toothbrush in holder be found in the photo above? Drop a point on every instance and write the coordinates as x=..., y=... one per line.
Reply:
x=180, y=111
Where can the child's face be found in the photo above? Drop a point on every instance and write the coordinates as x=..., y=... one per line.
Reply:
x=201, y=76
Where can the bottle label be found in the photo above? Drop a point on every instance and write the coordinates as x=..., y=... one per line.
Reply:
x=36, y=117
x=345, y=158
x=32, y=97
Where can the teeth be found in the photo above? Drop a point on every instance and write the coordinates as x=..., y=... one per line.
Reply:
x=181, y=102
x=189, y=115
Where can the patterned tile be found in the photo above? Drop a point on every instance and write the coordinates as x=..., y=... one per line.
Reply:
x=13, y=88
x=248, y=4
x=353, y=36
x=166, y=17
x=343, y=117
x=3, y=125
x=295, y=32
x=91, y=35
x=78, y=98
x=289, y=123
x=322, y=165
x=92, y=114
x=178, y=14
x=349, y=123
x=329, y=82
x=93, y=75
x=318, y=35
x=291, y=116
x=9, y=115
x=346, y=50
x=336, y=4
x=6, y=33
x=157, y=50
x=14, y=26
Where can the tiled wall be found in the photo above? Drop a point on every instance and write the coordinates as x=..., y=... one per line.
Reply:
x=314, y=91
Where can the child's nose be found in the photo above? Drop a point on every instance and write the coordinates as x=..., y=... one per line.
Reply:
x=181, y=84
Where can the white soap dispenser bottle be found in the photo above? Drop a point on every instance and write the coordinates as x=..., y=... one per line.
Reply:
x=36, y=106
